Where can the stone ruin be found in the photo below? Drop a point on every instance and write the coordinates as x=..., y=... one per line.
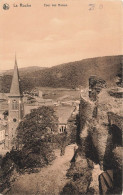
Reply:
x=95, y=86
x=99, y=143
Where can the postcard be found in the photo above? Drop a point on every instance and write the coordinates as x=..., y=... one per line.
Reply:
x=61, y=95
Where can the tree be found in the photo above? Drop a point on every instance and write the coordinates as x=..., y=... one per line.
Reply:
x=33, y=133
x=37, y=125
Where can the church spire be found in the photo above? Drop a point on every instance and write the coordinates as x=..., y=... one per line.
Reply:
x=15, y=60
x=15, y=86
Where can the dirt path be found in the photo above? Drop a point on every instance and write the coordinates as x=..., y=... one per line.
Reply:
x=95, y=183
x=49, y=181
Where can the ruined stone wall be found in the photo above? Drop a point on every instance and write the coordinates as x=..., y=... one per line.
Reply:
x=95, y=86
x=90, y=129
x=85, y=112
x=115, y=119
x=94, y=127
x=96, y=142
x=101, y=132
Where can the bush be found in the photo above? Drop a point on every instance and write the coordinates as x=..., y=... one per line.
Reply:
x=38, y=154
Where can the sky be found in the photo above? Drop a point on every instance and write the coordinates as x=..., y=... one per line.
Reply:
x=47, y=36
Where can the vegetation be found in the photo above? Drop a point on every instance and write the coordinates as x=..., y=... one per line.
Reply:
x=33, y=136
x=80, y=175
x=34, y=146
x=36, y=125
x=36, y=140
x=73, y=125
x=69, y=75
x=5, y=82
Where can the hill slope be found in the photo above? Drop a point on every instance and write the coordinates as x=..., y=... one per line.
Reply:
x=24, y=71
x=69, y=75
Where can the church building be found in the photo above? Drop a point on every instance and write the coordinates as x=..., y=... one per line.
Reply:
x=15, y=109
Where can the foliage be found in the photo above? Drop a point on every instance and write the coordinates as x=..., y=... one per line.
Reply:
x=80, y=177
x=38, y=154
x=34, y=138
x=5, y=82
x=73, y=126
x=25, y=82
x=69, y=75
x=36, y=125
x=58, y=140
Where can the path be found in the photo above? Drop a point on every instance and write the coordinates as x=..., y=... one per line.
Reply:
x=95, y=183
x=49, y=181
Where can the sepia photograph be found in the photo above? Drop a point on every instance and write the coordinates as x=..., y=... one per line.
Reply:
x=61, y=90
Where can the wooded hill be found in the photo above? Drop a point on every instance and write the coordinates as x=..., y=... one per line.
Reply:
x=68, y=75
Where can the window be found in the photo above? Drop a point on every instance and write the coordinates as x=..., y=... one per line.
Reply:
x=14, y=105
x=14, y=119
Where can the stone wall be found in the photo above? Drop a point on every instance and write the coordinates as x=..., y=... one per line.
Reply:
x=97, y=143
x=101, y=133
x=95, y=86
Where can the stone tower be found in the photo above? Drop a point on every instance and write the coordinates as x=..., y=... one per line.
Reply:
x=15, y=108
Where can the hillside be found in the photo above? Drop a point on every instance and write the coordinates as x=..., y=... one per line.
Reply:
x=24, y=71
x=69, y=75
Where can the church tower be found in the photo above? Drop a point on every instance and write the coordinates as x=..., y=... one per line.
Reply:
x=15, y=107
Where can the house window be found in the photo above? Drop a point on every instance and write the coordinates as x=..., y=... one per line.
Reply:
x=14, y=105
